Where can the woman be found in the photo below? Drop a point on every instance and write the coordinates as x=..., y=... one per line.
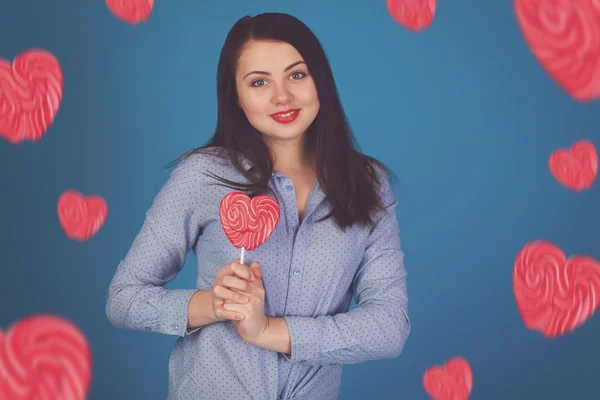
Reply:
x=280, y=329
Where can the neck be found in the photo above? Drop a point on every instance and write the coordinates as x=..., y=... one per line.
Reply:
x=291, y=157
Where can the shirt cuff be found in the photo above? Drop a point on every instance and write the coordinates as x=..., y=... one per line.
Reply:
x=190, y=331
x=306, y=337
x=174, y=311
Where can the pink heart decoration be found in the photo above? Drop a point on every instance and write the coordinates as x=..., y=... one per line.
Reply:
x=131, y=11
x=30, y=94
x=453, y=381
x=44, y=357
x=81, y=218
x=564, y=35
x=414, y=15
x=3, y=389
x=554, y=294
x=575, y=168
x=248, y=223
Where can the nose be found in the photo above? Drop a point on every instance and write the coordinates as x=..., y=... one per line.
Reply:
x=281, y=95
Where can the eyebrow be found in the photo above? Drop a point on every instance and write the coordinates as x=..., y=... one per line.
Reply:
x=267, y=73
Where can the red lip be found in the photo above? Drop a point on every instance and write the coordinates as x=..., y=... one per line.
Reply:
x=286, y=120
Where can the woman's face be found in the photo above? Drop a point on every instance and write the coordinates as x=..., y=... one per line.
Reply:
x=272, y=79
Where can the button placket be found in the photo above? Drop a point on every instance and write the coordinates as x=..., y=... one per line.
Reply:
x=291, y=202
x=298, y=254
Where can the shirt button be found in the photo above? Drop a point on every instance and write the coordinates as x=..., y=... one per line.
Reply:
x=296, y=272
x=289, y=187
x=175, y=327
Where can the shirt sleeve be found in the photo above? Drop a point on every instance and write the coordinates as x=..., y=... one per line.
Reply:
x=378, y=327
x=136, y=297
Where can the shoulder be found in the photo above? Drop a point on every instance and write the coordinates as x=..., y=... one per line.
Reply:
x=211, y=159
x=378, y=172
x=382, y=176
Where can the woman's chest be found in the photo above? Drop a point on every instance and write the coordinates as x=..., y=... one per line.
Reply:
x=302, y=189
x=303, y=185
x=319, y=257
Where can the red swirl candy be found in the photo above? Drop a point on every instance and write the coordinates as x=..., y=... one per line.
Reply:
x=564, y=36
x=414, y=15
x=3, y=391
x=44, y=357
x=554, y=294
x=131, y=11
x=452, y=381
x=30, y=93
x=80, y=217
x=575, y=168
x=248, y=223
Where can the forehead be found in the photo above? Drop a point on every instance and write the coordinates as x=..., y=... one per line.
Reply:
x=267, y=56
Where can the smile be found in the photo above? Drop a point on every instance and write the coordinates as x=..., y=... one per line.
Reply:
x=286, y=117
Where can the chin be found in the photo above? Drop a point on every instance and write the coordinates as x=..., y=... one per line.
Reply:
x=276, y=130
x=284, y=135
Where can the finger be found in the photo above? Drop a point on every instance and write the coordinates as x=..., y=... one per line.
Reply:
x=228, y=314
x=241, y=270
x=234, y=307
x=256, y=269
x=233, y=282
x=226, y=294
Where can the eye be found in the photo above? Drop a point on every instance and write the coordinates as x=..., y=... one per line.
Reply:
x=261, y=82
x=254, y=83
x=299, y=73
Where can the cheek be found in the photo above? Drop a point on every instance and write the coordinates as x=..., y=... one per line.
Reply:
x=253, y=104
x=309, y=96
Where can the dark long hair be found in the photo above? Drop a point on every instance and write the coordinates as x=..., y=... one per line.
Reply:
x=346, y=176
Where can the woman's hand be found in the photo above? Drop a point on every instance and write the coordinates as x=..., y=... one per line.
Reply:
x=231, y=280
x=255, y=321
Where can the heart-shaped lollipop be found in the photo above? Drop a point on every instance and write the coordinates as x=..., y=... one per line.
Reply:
x=248, y=222
x=577, y=167
x=44, y=356
x=31, y=89
x=555, y=293
x=453, y=381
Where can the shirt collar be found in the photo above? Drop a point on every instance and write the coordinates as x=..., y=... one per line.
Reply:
x=246, y=164
x=315, y=197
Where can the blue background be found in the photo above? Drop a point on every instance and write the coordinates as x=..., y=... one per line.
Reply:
x=462, y=112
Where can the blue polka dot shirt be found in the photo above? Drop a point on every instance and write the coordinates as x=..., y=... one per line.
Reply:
x=311, y=273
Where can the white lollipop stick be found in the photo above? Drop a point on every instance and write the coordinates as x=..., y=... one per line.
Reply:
x=242, y=257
